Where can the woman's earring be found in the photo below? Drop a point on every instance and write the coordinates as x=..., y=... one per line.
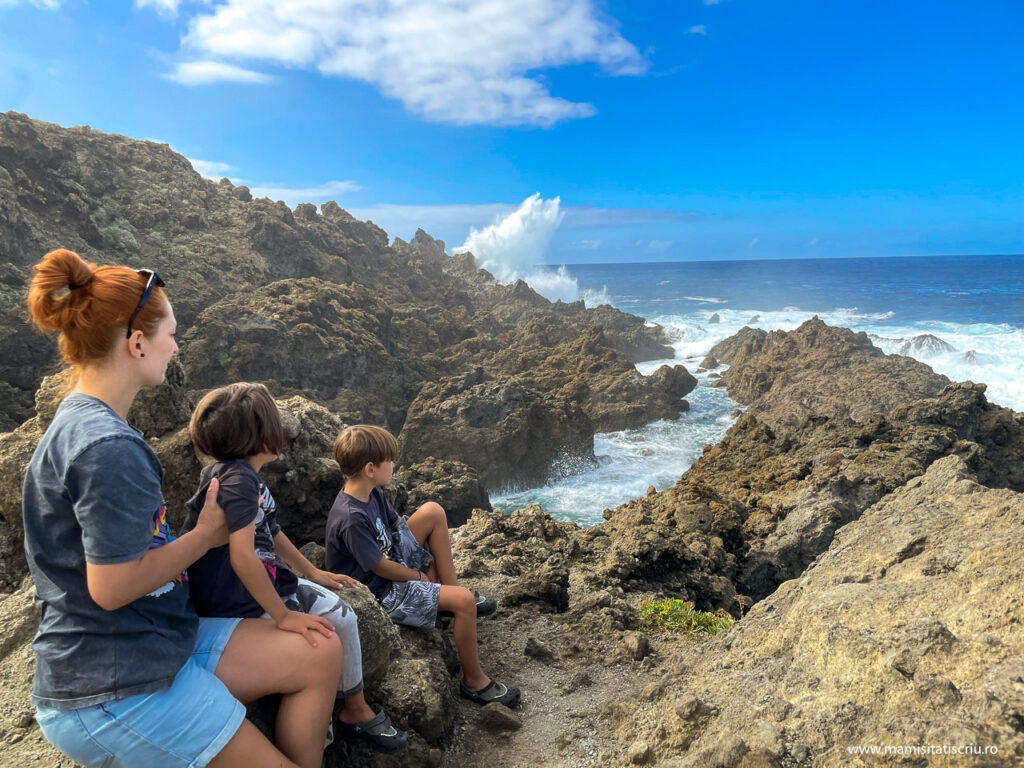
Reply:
x=142, y=354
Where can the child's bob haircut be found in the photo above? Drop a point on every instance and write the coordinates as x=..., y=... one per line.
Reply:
x=236, y=422
x=363, y=444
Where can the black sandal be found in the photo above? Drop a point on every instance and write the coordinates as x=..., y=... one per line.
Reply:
x=492, y=693
x=379, y=734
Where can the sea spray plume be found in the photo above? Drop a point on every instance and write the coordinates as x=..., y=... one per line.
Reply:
x=510, y=248
x=514, y=247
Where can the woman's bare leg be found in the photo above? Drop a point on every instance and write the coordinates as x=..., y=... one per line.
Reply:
x=251, y=749
x=429, y=525
x=261, y=659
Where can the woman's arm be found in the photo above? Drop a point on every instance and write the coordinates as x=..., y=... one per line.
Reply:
x=114, y=586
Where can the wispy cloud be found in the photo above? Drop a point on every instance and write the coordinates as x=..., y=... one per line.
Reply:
x=445, y=60
x=49, y=5
x=697, y=29
x=211, y=169
x=586, y=217
x=166, y=8
x=329, y=190
x=207, y=72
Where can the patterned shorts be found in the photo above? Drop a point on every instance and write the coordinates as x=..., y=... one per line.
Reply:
x=412, y=603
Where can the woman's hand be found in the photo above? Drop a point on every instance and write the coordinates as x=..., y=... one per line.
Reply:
x=211, y=523
x=332, y=580
x=306, y=625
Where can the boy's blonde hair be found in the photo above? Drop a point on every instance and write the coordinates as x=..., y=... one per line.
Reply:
x=236, y=422
x=357, y=446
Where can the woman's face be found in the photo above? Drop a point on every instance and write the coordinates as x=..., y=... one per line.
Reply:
x=159, y=349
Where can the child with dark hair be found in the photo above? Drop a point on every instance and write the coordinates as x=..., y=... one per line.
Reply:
x=406, y=562
x=259, y=573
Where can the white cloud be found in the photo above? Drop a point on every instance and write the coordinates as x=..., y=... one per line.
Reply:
x=329, y=190
x=207, y=72
x=211, y=169
x=166, y=8
x=49, y=5
x=697, y=29
x=511, y=248
x=456, y=61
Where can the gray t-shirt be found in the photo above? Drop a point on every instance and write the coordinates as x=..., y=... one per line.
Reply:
x=92, y=494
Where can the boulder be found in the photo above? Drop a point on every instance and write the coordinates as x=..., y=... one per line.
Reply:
x=452, y=484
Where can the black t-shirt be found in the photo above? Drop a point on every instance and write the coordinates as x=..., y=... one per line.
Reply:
x=359, y=536
x=215, y=588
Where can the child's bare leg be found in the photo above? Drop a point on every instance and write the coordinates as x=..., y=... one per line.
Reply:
x=354, y=709
x=462, y=603
x=429, y=525
x=261, y=659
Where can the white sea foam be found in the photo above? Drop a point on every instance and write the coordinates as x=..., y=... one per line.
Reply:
x=706, y=299
x=631, y=460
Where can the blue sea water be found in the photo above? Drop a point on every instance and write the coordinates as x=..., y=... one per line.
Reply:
x=973, y=304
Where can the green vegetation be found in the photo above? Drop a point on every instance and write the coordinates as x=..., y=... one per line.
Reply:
x=671, y=615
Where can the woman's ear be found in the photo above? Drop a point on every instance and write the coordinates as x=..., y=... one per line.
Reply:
x=135, y=344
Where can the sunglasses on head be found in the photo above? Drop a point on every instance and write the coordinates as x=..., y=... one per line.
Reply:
x=154, y=280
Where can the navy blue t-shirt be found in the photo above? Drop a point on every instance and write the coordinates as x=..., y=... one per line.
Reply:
x=216, y=588
x=92, y=495
x=359, y=535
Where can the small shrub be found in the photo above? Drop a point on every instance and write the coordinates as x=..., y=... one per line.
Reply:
x=671, y=615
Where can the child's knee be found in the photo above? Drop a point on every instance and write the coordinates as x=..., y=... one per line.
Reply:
x=435, y=511
x=465, y=601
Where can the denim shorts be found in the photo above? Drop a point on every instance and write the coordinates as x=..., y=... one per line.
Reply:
x=183, y=726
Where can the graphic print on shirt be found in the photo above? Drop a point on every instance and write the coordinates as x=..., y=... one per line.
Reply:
x=162, y=535
x=264, y=539
x=383, y=538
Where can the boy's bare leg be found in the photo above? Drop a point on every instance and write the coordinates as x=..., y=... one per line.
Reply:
x=429, y=525
x=462, y=603
x=261, y=659
x=354, y=709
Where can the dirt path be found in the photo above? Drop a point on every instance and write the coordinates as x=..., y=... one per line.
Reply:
x=561, y=702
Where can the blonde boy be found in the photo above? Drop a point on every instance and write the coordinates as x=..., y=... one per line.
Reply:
x=406, y=562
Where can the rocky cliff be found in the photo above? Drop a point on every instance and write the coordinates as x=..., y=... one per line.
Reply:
x=491, y=379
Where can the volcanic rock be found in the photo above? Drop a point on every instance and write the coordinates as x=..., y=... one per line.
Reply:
x=813, y=669
x=452, y=484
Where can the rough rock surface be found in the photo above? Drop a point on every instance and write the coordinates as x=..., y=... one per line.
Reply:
x=821, y=370
x=452, y=484
x=315, y=304
x=906, y=632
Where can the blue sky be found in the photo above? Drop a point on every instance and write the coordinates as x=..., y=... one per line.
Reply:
x=667, y=129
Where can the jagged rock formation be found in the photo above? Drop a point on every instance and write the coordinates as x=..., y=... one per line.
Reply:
x=832, y=426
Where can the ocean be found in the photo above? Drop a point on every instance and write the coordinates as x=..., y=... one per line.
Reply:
x=974, y=305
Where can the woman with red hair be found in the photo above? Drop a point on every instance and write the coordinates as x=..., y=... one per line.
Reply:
x=126, y=673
